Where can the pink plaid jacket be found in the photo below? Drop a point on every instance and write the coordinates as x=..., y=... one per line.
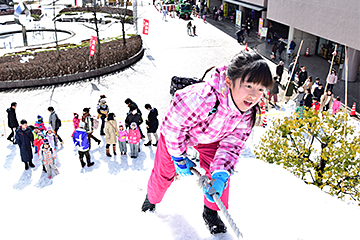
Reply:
x=187, y=122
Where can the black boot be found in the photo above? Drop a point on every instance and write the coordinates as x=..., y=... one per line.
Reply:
x=155, y=144
x=147, y=205
x=148, y=143
x=44, y=170
x=26, y=166
x=31, y=164
x=82, y=163
x=89, y=164
x=213, y=221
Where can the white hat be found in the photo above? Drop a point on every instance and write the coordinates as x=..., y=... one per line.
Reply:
x=82, y=124
x=301, y=89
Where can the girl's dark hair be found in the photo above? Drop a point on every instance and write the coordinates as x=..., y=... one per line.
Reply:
x=252, y=67
x=310, y=77
x=147, y=106
x=338, y=98
x=128, y=101
x=111, y=116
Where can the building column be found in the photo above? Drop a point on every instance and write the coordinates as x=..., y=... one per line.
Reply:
x=354, y=60
x=290, y=36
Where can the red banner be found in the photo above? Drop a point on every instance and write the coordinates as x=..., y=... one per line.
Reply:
x=146, y=27
x=93, y=42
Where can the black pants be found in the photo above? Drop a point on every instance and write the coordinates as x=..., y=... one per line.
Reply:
x=11, y=136
x=102, y=125
x=86, y=154
x=89, y=138
x=108, y=145
x=57, y=134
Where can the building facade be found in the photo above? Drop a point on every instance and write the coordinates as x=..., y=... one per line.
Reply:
x=320, y=24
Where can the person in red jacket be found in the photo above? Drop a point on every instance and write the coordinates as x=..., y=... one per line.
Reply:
x=134, y=137
x=315, y=105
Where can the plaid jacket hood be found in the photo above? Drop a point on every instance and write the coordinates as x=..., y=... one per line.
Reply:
x=187, y=121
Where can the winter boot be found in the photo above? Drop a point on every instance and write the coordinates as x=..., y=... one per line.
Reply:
x=82, y=163
x=98, y=142
x=31, y=164
x=155, y=144
x=148, y=143
x=89, y=164
x=108, y=152
x=44, y=169
x=26, y=165
x=114, y=150
x=213, y=221
x=147, y=205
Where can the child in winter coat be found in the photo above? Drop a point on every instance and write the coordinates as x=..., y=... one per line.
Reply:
x=76, y=121
x=216, y=117
x=40, y=124
x=122, y=139
x=315, y=105
x=299, y=111
x=47, y=157
x=38, y=139
x=81, y=140
x=51, y=136
x=134, y=137
x=336, y=105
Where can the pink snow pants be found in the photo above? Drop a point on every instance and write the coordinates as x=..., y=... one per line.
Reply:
x=164, y=172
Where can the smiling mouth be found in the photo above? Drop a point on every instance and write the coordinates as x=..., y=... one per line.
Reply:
x=247, y=103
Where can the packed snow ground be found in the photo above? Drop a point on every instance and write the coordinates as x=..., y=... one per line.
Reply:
x=104, y=201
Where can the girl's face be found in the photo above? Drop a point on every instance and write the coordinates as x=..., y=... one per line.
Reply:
x=121, y=128
x=49, y=131
x=245, y=95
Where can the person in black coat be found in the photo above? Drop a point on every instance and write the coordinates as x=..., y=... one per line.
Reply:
x=12, y=121
x=319, y=91
x=280, y=70
x=24, y=138
x=130, y=102
x=152, y=124
x=133, y=116
x=302, y=76
x=308, y=98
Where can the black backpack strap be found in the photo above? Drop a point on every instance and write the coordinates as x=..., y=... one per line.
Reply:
x=214, y=109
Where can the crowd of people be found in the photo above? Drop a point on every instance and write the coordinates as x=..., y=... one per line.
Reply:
x=306, y=93
x=44, y=140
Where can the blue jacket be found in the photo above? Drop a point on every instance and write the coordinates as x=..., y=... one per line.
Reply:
x=81, y=139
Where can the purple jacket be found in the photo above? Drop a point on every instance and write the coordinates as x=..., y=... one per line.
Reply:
x=187, y=121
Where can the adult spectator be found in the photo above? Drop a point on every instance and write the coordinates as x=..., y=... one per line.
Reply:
x=281, y=48
x=293, y=66
x=280, y=70
x=133, y=116
x=89, y=129
x=130, y=102
x=332, y=80
x=103, y=111
x=12, y=121
x=152, y=124
x=308, y=83
x=319, y=91
x=291, y=49
x=326, y=101
x=308, y=98
x=55, y=122
x=302, y=76
x=24, y=138
x=274, y=91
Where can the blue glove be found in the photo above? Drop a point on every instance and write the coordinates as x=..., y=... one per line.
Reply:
x=183, y=165
x=217, y=184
